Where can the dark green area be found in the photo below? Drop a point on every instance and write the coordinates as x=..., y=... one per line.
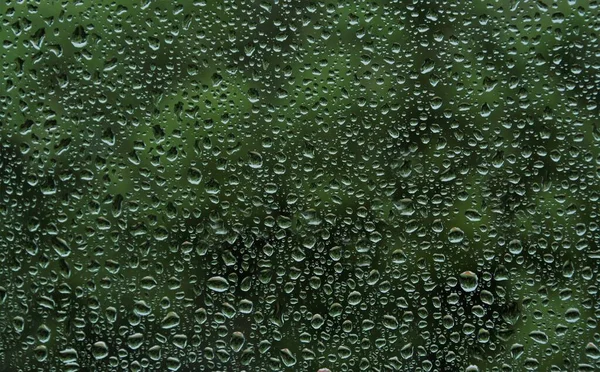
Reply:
x=295, y=185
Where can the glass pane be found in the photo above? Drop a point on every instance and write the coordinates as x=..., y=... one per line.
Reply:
x=270, y=185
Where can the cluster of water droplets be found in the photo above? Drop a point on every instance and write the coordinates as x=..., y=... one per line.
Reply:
x=299, y=185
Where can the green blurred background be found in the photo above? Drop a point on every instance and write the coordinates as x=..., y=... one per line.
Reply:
x=295, y=185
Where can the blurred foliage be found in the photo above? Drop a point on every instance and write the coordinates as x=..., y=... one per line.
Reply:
x=295, y=185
